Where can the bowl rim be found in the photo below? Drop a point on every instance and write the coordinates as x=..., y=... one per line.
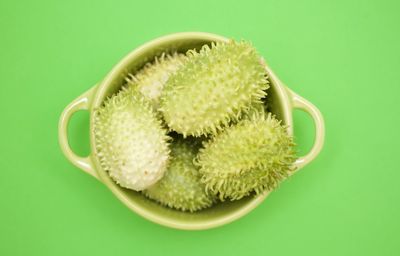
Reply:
x=101, y=89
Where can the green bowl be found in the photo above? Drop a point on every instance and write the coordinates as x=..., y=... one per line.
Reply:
x=281, y=101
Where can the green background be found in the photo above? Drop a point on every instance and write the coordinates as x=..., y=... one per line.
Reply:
x=344, y=56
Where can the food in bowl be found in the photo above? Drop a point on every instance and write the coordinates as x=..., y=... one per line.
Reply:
x=214, y=96
x=181, y=187
x=131, y=140
x=150, y=79
x=213, y=88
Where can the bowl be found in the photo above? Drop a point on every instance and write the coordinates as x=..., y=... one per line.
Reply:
x=281, y=102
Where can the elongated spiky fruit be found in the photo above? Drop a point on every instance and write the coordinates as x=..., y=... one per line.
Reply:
x=150, y=80
x=180, y=188
x=130, y=141
x=213, y=88
x=253, y=155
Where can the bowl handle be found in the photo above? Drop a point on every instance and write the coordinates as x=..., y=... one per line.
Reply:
x=81, y=103
x=300, y=103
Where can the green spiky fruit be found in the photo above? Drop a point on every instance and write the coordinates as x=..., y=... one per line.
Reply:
x=151, y=79
x=256, y=108
x=213, y=88
x=253, y=155
x=130, y=141
x=180, y=188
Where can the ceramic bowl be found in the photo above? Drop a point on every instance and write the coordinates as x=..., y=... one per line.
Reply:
x=281, y=101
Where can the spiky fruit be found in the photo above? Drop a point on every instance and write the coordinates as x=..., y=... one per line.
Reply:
x=151, y=79
x=256, y=108
x=213, y=87
x=180, y=188
x=130, y=141
x=253, y=155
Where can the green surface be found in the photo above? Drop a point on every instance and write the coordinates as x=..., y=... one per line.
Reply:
x=344, y=56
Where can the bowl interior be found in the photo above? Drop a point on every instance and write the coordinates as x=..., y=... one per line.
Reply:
x=218, y=214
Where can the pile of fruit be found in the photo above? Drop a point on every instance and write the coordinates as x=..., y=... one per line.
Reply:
x=189, y=130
